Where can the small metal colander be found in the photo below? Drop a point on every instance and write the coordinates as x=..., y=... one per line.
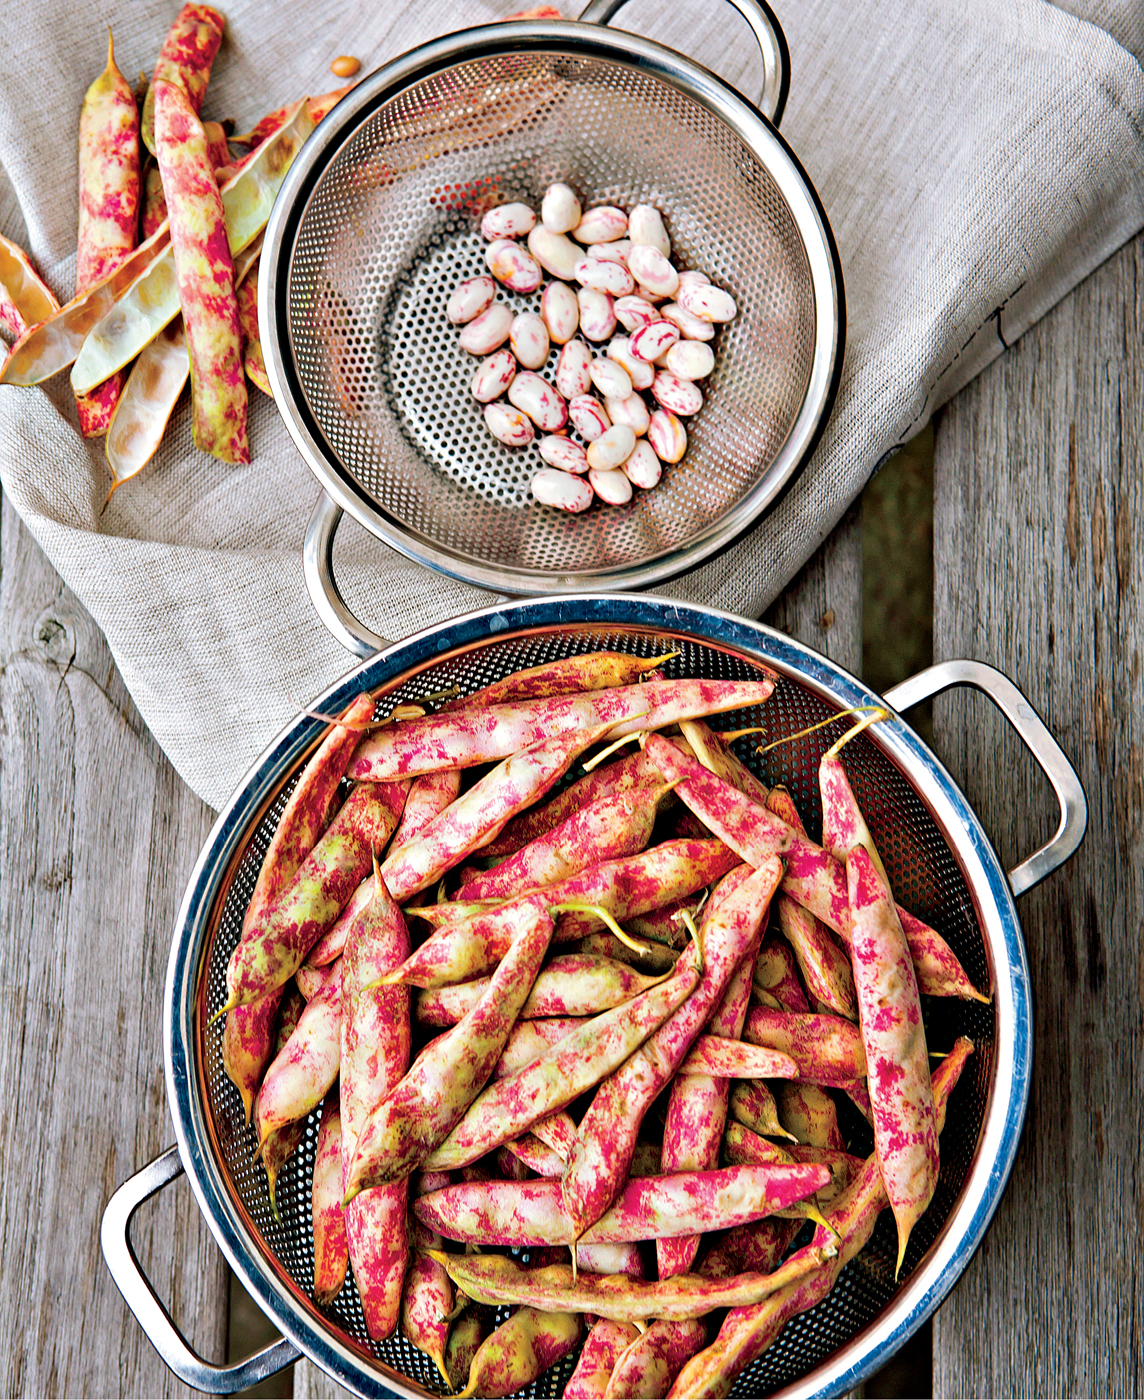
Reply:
x=378, y=221
x=940, y=863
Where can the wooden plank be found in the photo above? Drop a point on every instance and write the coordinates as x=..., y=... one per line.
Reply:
x=1038, y=499
x=99, y=836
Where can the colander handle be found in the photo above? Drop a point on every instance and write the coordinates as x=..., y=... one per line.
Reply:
x=318, y=569
x=150, y=1313
x=1041, y=744
x=768, y=35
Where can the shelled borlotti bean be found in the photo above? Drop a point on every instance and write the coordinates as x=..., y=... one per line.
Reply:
x=626, y=282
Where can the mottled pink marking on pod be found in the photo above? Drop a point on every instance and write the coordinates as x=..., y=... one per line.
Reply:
x=562, y=452
x=631, y=411
x=604, y=224
x=512, y=266
x=473, y=296
x=528, y=339
x=667, y=435
x=556, y=488
x=653, y=340
x=635, y=311
x=680, y=396
x=509, y=425
x=572, y=366
x=646, y=226
x=610, y=377
x=560, y=312
x=690, y=327
x=493, y=376
x=690, y=359
x=536, y=397
x=588, y=417
x=488, y=331
x=560, y=209
x=652, y=270
x=555, y=252
x=611, y=448
x=639, y=371
x=597, y=314
x=708, y=303
x=508, y=221
x=642, y=467
x=611, y=486
x=601, y=276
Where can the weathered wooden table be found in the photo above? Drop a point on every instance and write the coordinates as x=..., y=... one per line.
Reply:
x=1039, y=570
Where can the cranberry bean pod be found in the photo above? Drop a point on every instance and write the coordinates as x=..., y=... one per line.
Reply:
x=465, y=1338
x=752, y=1104
x=725, y=1058
x=470, y=299
x=535, y=397
x=427, y=1298
x=827, y=1049
x=521, y=1350
x=25, y=299
x=185, y=60
x=810, y=1115
x=777, y=973
x=577, y=984
x=328, y=1222
x=508, y=221
x=276, y=1150
x=307, y=1065
x=652, y=1361
x=598, y=1357
x=487, y=331
x=560, y=312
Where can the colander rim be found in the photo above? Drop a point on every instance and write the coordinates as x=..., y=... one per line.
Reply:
x=1008, y=1098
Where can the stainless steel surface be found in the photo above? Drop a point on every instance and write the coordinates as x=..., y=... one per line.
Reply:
x=378, y=221
x=1040, y=743
x=942, y=866
x=150, y=1313
x=318, y=571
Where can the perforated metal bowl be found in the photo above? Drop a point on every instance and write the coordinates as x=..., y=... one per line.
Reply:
x=942, y=867
x=378, y=220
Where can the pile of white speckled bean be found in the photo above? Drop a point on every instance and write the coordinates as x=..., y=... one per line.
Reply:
x=621, y=265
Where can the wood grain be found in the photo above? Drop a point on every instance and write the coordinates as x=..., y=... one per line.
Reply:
x=99, y=836
x=1038, y=499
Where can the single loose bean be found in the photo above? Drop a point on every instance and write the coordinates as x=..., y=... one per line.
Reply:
x=610, y=377
x=528, y=339
x=645, y=224
x=635, y=311
x=473, y=296
x=631, y=411
x=572, y=366
x=588, y=417
x=652, y=270
x=690, y=359
x=560, y=312
x=488, y=331
x=536, y=397
x=642, y=467
x=604, y=224
x=667, y=435
x=611, y=252
x=509, y=425
x=611, y=486
x=508, y=221
x=511, y=265
x=560, y=210
x=562, y=452
x=639, y=371
x=597, y=314
x=602, y=276
x=690, y=327
x=555, y=252
x=345, y=66
x=552, y=487
x=679, y=396
x=493, y=376
x=708, y=303
x=611, y=448
x=653, y=340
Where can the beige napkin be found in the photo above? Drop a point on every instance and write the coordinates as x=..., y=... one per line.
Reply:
x=975, y=161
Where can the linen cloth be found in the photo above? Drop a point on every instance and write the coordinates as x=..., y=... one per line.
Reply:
x=975, y=162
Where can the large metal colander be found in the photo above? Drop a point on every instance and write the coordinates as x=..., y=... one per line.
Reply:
x=941, y=865
x=379, y=220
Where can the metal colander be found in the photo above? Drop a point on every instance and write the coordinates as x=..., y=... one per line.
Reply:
x=379, y=220
x=941, y=866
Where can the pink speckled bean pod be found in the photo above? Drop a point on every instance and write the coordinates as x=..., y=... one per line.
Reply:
x=307, y=1065
x=897, y=1064
x=652, y=1361
x=747, y=1332
x=754, y=1248
x=598, y=1357
x=521, y=1350
x=752, y=1104
x=511, y=1106
x=318, y=892
x=776, y=972
x=25, y=299
x=543, y=404
x=809, y=1114
x=328, y=1221
x=465, y=1338
x=462, y=740
x=185, y=61
x=827, y=1049
x=276, y=1150
x=422, y=1109
x=375, y=1047
x=427, y=1299
x=204, y=273
x=248, y=1032
x=723, y=1057
x=253, y=360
